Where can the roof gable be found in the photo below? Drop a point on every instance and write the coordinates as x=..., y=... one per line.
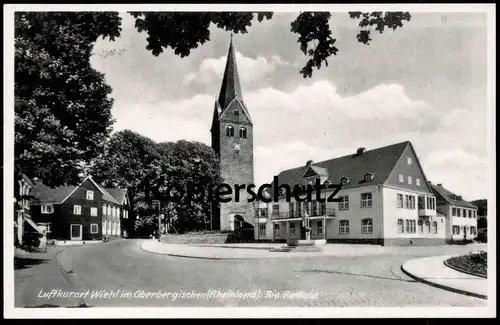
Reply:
x=451, y=197
x=88, y=178
x=379, y=162
x=118, y=194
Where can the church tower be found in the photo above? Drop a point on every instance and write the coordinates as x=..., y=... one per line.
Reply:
x=232, y=140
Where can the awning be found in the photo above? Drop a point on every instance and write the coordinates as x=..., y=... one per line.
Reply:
x=32, y=224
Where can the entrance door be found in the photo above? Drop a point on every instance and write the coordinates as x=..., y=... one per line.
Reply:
x=76, y=232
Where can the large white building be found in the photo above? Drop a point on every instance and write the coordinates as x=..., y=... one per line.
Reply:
x=461, y=216
x=385, y=199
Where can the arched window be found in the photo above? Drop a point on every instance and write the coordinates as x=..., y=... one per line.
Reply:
x=229, y=131
x=243, y=133
x=400, y=226
x=427, y=227
x=434, y=227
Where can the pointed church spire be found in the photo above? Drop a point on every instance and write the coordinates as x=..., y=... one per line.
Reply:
x=231, y=87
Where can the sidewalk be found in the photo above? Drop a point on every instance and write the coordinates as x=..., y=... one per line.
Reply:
x=253, y=251
x=41, y=282
x=433, y=271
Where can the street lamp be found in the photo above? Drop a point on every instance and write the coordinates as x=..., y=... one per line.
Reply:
x=157, y=203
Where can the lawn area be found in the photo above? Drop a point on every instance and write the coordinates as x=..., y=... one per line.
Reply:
x=476, y=263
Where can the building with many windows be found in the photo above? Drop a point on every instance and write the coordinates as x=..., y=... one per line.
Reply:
x=84, y=212
x=385, y=199
x=461, y=215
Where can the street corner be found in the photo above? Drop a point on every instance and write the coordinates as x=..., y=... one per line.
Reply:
x=434, y=272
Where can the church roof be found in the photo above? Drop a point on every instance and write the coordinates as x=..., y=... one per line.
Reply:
x=231, y=87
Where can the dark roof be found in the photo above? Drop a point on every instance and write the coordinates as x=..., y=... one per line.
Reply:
x=231, y=87
x=380, y=162
x=117, y=193
x=46, y=194
x=451, y=197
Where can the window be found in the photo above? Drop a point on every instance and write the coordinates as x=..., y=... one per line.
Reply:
x=454, y=212
x=434, y=227
x=366, y=226
x=118, y=212
x=314, y=208
x=94, y=229
x=104, y=209
x=411, y=226
x=470, y=213
x=93, y=212
x=236, y=112
x=412, y=202
x=407, y=201
x=276, y=229
x=262, y=229
x=292, y=228
x=344, y=227
x=400, y=200
x=243, y=133
x=420, y=226
x=344, y=203
x=319, y=227
x=108, y=207
x=229, y=131
x=77, y=209
x=409, y=161
x=474, y=214
x=291, y=207
x=276, y=208
x=366, y=200
x=47, y=209
x=464, y=213
x=410, y=179
x=297, y=206
x=427, y=227
x=401, y=178
x=400, y=226
x=263, y=213
x=108, y=227
x=113, y=228
x=322, y=206
x=90, y=195
x=458, y=212
x=472, y=230
x=104, y=227
x=456, y=230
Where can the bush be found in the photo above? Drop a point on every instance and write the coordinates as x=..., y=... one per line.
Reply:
x=473, y=263
x=482, y=236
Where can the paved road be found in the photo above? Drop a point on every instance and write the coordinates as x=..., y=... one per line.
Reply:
x=330, y=281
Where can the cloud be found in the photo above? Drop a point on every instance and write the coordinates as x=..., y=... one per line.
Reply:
x=211, y=70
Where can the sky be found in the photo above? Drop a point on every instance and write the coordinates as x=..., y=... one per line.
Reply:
x=425, y=83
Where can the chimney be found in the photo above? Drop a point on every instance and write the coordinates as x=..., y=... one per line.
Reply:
x=361, y=150
x=440, y=185
x=309, y=163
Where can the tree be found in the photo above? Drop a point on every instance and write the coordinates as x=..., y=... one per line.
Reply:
x=482, y=207
x=62, y=104
x=129, y=161
x=184, y=31
x=189, y=170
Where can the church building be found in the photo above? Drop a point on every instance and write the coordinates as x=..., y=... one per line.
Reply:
x=232, y=140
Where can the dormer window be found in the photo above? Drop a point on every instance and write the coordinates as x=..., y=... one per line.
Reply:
x=368, y=177
x=229, y=131
x=345, y=180
x=243, y=133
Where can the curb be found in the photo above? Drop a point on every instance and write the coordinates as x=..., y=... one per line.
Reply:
x=440, y=286
x=463, y=271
